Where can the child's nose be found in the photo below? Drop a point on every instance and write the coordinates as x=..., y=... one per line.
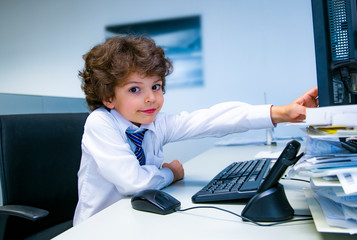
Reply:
x=150, y=97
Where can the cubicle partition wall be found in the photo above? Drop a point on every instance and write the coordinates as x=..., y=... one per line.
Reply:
x=22, y=104
x=26, y=104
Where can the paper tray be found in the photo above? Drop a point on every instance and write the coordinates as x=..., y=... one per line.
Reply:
x=318, y=215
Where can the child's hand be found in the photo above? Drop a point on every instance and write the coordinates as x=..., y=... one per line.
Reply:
x=309, y=99
x=177, y=169
x=295, y=111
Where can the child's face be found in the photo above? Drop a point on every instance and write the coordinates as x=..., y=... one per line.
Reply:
x=139, y=100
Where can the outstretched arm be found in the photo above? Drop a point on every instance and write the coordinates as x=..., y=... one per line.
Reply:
x=295, y=111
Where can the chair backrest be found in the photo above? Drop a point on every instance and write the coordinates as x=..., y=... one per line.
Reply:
x=39, y=160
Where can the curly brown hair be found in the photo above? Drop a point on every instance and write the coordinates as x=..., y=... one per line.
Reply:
x=110, y=64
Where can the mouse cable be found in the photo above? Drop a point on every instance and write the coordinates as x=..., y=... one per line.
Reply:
x=247, y=219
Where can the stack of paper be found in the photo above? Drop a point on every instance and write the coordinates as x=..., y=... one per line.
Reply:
x=344, y=115
x=333, y=209
x=334, y=121
x=333, y=194
x=331, y=162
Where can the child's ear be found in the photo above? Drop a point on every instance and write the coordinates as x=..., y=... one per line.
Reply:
x=108, y=103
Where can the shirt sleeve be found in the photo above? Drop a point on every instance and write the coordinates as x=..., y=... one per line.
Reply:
x=115, y=161
x=217, y=121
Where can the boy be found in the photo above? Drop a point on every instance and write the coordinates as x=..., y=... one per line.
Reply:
x=124, y=82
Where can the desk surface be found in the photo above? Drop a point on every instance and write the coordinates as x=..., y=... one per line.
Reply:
x=121, y=221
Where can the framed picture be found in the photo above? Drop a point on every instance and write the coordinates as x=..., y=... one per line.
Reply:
x=181, y=40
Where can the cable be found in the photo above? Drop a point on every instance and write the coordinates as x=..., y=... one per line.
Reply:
x=303, y=215
x=296, y=179
x=346, y=79
x=247, y=219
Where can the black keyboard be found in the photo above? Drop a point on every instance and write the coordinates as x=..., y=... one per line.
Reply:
x=239, y=180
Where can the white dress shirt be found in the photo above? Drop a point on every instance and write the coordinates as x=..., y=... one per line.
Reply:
x=109, y=169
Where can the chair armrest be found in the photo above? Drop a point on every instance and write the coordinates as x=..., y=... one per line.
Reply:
x=30, y=213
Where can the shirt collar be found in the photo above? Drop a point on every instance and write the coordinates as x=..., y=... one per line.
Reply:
x=125, y=124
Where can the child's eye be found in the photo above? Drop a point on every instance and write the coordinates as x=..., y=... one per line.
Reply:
x=156, y=87
x=134, y=89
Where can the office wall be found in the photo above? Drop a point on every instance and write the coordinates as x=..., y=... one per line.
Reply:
x=255, y=51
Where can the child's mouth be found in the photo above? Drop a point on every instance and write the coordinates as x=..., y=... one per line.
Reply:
x=149, y=111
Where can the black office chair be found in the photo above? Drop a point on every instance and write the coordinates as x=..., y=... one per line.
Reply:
x=39, y=159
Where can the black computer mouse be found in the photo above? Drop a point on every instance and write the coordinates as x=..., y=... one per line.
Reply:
x=155, y=201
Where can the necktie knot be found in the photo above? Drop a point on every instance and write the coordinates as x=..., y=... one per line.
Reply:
x=137, y=139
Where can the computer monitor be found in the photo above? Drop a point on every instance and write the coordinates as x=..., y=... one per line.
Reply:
x=335, y=35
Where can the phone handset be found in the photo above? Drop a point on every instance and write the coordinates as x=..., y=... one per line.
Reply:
x=287, y=158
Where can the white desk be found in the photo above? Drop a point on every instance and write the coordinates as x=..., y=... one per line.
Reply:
x=121, y=221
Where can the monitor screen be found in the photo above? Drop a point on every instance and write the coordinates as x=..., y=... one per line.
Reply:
x=335, y=35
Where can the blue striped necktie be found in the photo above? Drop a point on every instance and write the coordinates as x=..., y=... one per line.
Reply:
x=137, y=139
